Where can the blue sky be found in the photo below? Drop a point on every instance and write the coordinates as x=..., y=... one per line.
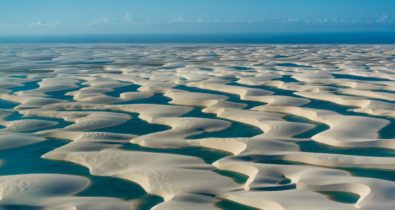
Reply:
x=26, y=17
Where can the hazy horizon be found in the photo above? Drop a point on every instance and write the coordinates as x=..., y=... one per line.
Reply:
x=215, y=38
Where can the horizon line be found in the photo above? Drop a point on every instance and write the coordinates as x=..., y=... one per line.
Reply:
x=211, y=38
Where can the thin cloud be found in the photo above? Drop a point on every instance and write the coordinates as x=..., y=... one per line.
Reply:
x=179, y=20
x=128, y=18
x=40, y=23
x=384, y=19
x=101, y=21
x=37, y=23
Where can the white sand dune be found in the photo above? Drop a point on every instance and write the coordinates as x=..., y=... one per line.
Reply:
x=52, y=191
x=92, y=96
x=83, y=121
x=11, y=140
x=163, y=174
x=181, y=129
x=26, y=125
x=342, y=128
x=371, y=191
x=29, y=101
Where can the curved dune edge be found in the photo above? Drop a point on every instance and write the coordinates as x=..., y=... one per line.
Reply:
x=52, y=191
x=26, y=125
x=83, y=121
x=363, y=98
x=306, y=180
x=341, y=132
x=250, y=94
x=47, y=85
x=247, y=146
x=79, y=136
x=163, y=174
x=372, y=107
x=189, y=201
x=12, y=140
x=271, y=124
x=30, y=101
x=181, y=128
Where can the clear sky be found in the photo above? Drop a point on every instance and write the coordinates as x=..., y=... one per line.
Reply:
x=27, y=17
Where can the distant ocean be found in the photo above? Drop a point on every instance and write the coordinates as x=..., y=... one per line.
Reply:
x=242, y=38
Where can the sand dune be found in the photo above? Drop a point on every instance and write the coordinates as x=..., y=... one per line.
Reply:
x=192, y=127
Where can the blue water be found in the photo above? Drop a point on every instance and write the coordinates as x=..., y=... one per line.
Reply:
x=343, y=197
x=62, y=94
x=4, y=104
x=238, y=38
x=118, y=91
x=157, y=98
x=15, y=163
x=26, y=86
x=291, y=65
x=286, y=79
x=358, y=78
x=135, y=126
x=230, y=205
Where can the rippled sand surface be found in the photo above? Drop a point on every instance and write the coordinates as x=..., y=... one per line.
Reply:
x=166, y=127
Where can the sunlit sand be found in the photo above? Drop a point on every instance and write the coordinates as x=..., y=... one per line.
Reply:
x=197, y=127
